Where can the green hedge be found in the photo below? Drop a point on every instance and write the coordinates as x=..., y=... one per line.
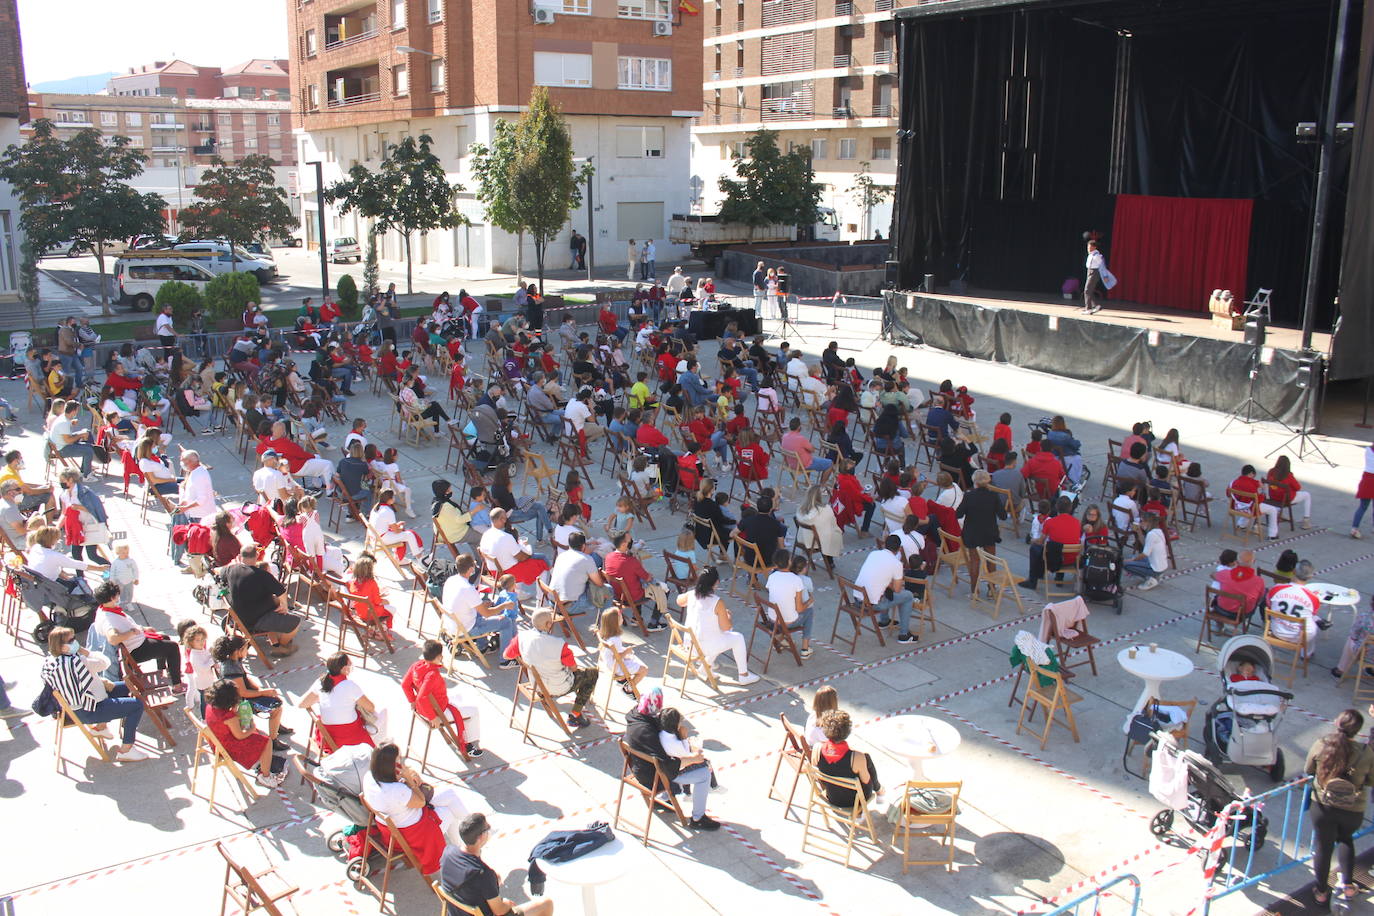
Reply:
x=227, y=295
x=184, y=299
x=348, y=298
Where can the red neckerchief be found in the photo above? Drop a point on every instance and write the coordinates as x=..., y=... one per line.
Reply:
x=336, y=679
x=832, y=751
x=113, y=609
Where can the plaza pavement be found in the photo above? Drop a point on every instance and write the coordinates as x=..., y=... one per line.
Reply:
x=1034, y=824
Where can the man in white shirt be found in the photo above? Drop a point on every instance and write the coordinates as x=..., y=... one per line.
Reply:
x=573, y=574
x=1297, y=600
x=197, y=489
x=882, y=572
x=796, y=370
x=579, y=413
x=70, y=442
x=166, y=334
x=813, y=389
x=676, y=283
x=650, y=256
x=472, y=612
x=1154, y=556
x=501, y=545
x=787, y=593
x=1093, y=285
x=357, y=434
x=271, y=483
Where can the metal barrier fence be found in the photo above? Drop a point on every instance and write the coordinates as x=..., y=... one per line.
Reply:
x=838, y=308
x=1244, y=866
x=1096, y=895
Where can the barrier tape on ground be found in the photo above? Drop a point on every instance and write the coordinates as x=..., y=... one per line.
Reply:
x=786, y=875
x=1098, y=878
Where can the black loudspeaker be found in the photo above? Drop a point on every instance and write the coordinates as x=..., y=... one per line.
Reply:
x=890, y=279
x=1254, y=331
x=1309, y=372
x=784, y=282
x=928, y=283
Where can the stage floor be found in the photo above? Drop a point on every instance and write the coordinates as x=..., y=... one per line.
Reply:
x=1131, y=314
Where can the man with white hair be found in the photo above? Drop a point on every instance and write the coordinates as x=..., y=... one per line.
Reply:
x=299, y=462
x=270, y=483
x=1295, y=599
x=195, y=503
x=553, y=659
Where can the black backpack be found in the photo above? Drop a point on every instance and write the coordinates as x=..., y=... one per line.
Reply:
x=438, y=572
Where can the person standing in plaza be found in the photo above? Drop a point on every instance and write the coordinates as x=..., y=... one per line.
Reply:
x=166, y=334
x=651, y=259
x=68, y=347
x=760, y=287
x=631, y=260
x=1342, y=772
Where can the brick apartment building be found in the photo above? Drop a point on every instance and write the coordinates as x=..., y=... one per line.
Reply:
x=626, y=73
x=823, y=73
x=14, y=111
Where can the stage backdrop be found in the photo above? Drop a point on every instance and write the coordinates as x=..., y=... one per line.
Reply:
x=1173, y=251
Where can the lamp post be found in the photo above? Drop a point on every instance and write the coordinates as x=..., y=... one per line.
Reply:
x=319, y=213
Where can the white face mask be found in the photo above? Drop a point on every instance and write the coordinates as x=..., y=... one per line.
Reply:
x=71, y=648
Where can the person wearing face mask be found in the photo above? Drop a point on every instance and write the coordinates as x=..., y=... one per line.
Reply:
x=449, y=519
x=95, y=700
x=34, y=495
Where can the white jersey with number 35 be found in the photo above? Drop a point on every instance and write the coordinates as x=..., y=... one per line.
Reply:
x=1295, y=600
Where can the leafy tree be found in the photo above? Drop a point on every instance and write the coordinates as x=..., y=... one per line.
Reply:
x=492, y=166
x=76, y=189
x=545, y=184
x=239, y=203
x=28, y=279
x=771, y=187
x=371, y=273
x=183, y=297
x=867, y=193
x=227, y=295
x=410, y=193
x=348, y=297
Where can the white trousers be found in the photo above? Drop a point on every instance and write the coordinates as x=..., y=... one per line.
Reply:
x=730, y=641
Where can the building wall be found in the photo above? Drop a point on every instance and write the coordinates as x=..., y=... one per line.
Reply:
x=14, y=110
x=823, y=73
x=9, y=221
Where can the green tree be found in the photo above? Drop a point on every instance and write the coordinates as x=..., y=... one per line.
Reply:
x=239, y=203
x=410, y=193
x=348, y=297
x=867, y=193
x=77, y=189
x=371, y=273
x=492, y=166
x=28, y=279
x=771, y=187
x=227, y=295
x=183, y=297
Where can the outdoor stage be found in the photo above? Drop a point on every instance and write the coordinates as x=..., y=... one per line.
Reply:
x=1178, y=356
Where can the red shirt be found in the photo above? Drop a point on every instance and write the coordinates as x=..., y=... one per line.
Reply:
x=628, y=569
x=469, y=304
x=1033, y=447
x=1249, y=487
x=702, y=429
x=1243, y=581
x=688, y=473
x=1001, y=431
x=364, y=354
x=755, y=459
x=295, y=456
x=607, y=320
x=424, y=687
x=329, y=311
x=365, y=610
x=122, y=383
x=648, y=434
x=548, y=363
x=667, y=367
x=387, y=364
x=920, y=506
x=454, y=347
x=735, y=424
x=1063, y=529
x=1044, y=466
x=1281, y=489
x=836, y=415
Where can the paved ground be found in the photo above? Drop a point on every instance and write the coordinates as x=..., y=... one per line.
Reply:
x=1035, y=824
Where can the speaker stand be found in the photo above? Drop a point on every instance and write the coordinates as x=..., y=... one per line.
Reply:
x=1245, y=412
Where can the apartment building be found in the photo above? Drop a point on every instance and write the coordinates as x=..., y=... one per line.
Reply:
x=260, y=78
x=823, y=73
x=626, y=74
x=14, y=111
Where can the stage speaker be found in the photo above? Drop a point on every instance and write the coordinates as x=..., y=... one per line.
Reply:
x=784, y=282
x=1255, y=331
x=1309, y=372
x=928, y=283
x=893, y=271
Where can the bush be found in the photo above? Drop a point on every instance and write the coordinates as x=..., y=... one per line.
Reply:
x=227, y=295
x=348, y=297
x=184, y=299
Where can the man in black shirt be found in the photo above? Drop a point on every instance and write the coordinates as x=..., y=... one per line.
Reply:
x=260, y=601
x=472, y=882
x=763, y=529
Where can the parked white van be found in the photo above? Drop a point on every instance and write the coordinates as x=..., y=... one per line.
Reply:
x=223, y=260
x=139, y=279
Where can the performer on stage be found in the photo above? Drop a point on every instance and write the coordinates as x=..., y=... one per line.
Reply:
x=1093, y=285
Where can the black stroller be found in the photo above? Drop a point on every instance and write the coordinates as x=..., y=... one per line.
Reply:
x=1099, y=579
x=55, y=604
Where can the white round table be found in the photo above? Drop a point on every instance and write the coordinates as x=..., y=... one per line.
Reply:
x=1154, y=668
x=1337, y=595
x=917, y=738
x=600, y=866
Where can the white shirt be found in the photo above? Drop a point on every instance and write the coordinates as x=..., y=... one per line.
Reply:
x=460, y=600
x=312, y=538
x=796, y=368
x=340, y=705
x=270, y=482
x=1156, y=550
x=783, y=588
x=1095, y=260
x=151, y=466
x=578, y=413
x=383, y=517
x=570, y=573
x=162, y=327
x=881, y=568
x=674, y=746
x=48, y=562
x=117, y=625
x=561, y=533
x=501, y=546
x=58, y=432
x=198, y=494
x=1125, y=512
x=676, y=284
x=912, y=543
x=814, y=387
x=390, y=799
x=354, y=437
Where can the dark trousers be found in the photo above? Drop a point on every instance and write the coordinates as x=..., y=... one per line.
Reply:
x=1091, y=288
x=165, y=652
x=1335, y=829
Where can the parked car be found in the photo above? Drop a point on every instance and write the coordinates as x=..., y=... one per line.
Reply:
x=345, y=248
x=144, y=242
x=139, y=279
x=261, y=250
x=75, y=249
x=224, y=258
x=291, y=241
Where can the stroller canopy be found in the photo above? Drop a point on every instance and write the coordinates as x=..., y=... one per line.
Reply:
x=1245, y=648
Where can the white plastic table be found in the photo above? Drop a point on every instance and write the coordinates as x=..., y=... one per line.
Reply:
x=1154, y=668
x=917, y=738
x=1337, y=595
x=600, y=866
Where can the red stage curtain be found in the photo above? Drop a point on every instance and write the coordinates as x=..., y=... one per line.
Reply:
x=1173, y=251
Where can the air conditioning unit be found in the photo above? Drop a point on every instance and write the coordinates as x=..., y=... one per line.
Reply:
x=662, y=28
x=543, y=16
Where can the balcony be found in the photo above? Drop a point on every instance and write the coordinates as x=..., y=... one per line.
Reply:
x=72, y=124
x=348, y=100
x=204, y=149
x=169, y=149
x=349, y=27
x=789, y=109
x=843, y=60
x=882, y=111
x=204, y=127
x=160, y=125
x=842, y=111
x=882, y=58
x=351, y=40
x=882, y=5
x=715, y=75
x=436, y=16
x=353, y=86
x=739, y=73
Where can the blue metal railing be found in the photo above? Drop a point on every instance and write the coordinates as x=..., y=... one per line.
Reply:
x=1094, y=897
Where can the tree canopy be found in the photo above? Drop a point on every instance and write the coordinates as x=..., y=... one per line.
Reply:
x=239, y=202
x=771, y=187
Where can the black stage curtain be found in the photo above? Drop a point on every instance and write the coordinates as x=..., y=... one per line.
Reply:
x=1352, y=353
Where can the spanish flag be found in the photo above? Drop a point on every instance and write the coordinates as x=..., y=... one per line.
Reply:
x=689, y=7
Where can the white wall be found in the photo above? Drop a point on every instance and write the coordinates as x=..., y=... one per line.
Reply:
x=9, y=219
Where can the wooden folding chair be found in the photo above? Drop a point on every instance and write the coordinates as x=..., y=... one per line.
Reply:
x=549, y=598
x=933, y=807
x=530, y=686
x=153, y=690
x=1298, y=646
x=751, y=485
x=1243, y=512
x=715, y=550
x=67, y=719
x=951, y=555
x=395, y=851
x=684, y=582
x=810, y=550
x=658, y=794
x=923, y=606
x=639, y=503
x=233, y=626
x=1215, y=622
x=631, y=611
x=749, y=560
x=854, y=605
x=1064, y=646
x=796, y=753
x=1364, y=683
x=1190, y=495
x=997, y=575
x=1013, y=513
x=210, y=750
x=245, y=887
x=447, y=729
x=619, y=672
x=854, y=820
x=366, y=632
x=448, y=904
x=460, y=640
x=778, y=635
x=1046, y=690
x=342, y=505
x=1063, y=582
x=684, y=649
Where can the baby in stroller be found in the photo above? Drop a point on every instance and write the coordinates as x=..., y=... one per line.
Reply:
x=1242, y=724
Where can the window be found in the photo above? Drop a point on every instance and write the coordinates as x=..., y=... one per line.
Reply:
x=882, y=147
x=848, y=148
x=400, y=79
x=71, y=117
x=166, y=92
x=650, y=73
x=248, y=92
x=436, y=76
x=190, y=93
x=312, y=96
x=818, y=150
x=557, y=69
x=274, y=140
x=250, y=122
x=739, y=150
x=163, y=118
x=568, y=7
x=133, y=119
x=312, y=43
x=367, y=147
x=274, y=120
x=250, y=143
x=225, y=120
x=398, y=14
x=639, y=142
x=436, y=11
x=643, y=9
x=109, y=119
x=462, y=138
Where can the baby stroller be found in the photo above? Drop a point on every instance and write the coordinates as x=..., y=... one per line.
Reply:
x=55, y=603
x=1208, y=792
x=338, y=782
x=1242, y=725
x=1100, y=577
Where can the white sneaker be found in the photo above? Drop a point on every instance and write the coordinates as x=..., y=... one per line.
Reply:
x=133, y=755
x=271, y=780
x=1149, y=584
x=747, y=679
x=1355, y=533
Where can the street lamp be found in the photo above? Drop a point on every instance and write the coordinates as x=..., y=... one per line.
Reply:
x=319, y=212
x=407, y=49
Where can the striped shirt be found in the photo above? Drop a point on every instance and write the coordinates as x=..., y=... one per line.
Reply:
x=69, y=676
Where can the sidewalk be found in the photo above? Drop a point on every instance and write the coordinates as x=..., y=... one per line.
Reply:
x=57, y=300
